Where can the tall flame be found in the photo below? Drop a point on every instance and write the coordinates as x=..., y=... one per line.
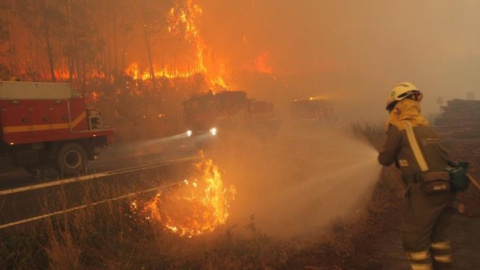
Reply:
x=183, y=20
x=183, y=24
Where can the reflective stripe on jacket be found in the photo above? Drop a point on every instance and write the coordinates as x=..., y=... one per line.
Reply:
x=397, y=149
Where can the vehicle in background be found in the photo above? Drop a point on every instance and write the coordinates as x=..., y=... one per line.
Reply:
x=226, y=112
x=47, y=126
x=312, y=109
x=263, y=118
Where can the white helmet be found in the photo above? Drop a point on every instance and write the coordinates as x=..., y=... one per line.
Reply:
x=402, y=91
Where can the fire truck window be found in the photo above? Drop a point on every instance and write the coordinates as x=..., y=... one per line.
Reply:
x=192, y=106
x=220, y=103
x=238, y=102
x=210, y=105
x=234, y=102
x=195, y=106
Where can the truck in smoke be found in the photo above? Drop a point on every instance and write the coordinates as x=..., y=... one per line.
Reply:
x=49, y=127
x=226, y=112
x=312, y=109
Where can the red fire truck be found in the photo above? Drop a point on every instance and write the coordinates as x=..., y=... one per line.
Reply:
x=228, y=111
x=49, y=125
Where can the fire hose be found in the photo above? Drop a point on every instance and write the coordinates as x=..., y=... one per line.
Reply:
x=474, y=182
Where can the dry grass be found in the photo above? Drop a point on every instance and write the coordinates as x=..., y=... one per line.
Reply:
x=374, y=134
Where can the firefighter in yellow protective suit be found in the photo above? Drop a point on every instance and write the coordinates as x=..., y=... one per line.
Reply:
x=427, y=216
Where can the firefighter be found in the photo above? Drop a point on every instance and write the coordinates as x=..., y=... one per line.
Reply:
x=427, y=216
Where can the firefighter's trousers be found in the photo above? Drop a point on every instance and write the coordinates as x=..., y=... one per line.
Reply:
x=426, y=220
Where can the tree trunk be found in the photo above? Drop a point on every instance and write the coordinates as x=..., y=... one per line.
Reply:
x=149, y=53
x=71, y=43
x=12, y=50
x=47, y=41
x=115, y=43
x=147, y=44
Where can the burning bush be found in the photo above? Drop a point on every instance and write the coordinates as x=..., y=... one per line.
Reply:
x=195, y=206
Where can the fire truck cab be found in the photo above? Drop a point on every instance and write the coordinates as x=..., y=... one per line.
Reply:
x=214, y=112
x=47, y=126
x=228, y=111
x=263, y=118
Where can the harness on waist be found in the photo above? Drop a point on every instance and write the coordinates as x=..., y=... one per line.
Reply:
x=431, y=181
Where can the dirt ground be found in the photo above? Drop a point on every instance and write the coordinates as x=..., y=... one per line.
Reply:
x=465, y=228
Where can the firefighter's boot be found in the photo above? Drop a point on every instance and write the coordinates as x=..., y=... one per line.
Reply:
x=442, y=255
x=420, y=260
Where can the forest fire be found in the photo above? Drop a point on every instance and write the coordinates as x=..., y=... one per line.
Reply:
x=196, y=206
x=148, y=41
x=182, y=26
x=134, y=71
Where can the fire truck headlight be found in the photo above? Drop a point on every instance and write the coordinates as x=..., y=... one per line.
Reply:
x=213, y=131
x=189, y=133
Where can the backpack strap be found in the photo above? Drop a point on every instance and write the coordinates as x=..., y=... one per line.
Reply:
x=415, y=148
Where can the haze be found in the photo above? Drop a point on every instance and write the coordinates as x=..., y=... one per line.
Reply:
x=303, y=181
x=353, y=50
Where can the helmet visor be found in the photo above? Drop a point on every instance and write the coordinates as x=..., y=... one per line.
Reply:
x=414, y=94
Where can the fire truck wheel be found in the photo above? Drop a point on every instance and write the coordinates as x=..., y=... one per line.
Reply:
x=71, y=159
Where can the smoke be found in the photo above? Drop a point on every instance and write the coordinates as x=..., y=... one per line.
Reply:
x=354, y=50
x=303, y=180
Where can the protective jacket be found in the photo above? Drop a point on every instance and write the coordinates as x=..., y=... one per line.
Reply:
x=426, y=215
x=397, y=147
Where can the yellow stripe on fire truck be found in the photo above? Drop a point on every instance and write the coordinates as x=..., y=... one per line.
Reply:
x=27, y=128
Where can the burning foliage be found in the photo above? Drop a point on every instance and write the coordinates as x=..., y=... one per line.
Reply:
x=195, y=206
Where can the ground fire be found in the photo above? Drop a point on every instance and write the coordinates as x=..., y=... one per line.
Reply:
x=196, y=206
